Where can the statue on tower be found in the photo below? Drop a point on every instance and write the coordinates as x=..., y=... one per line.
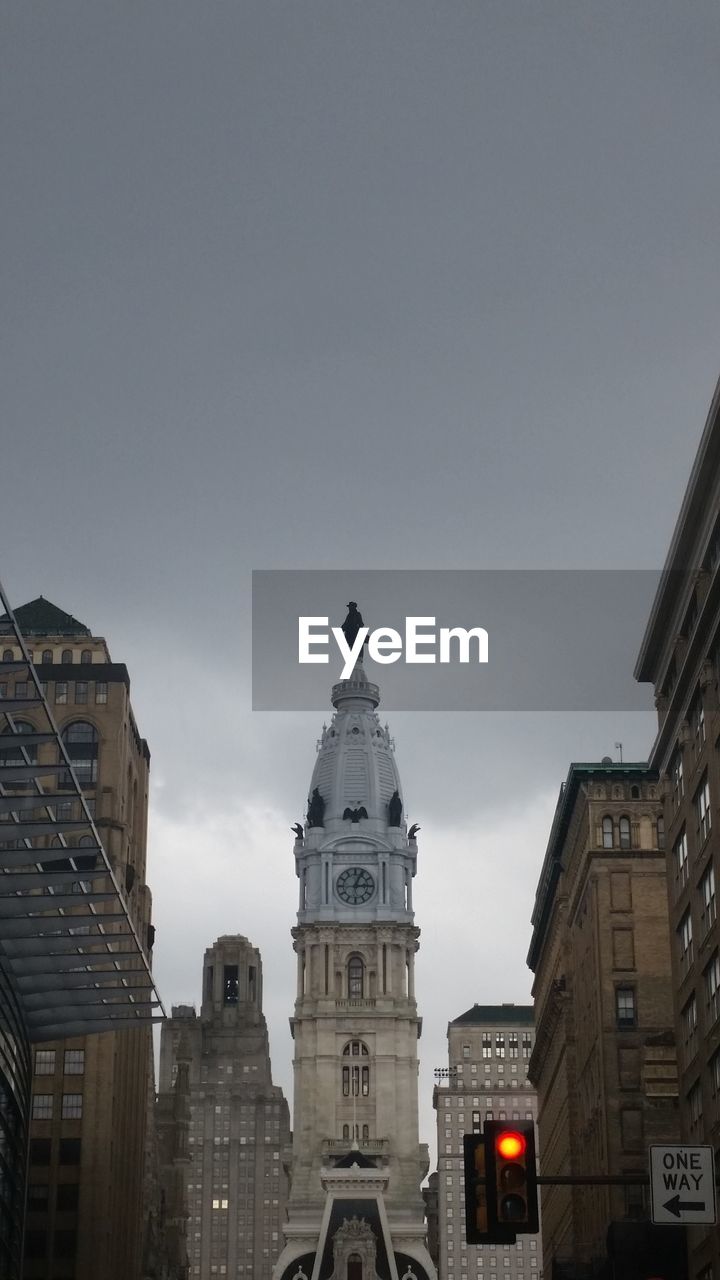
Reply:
x=316, y=809
x=352, y=625
x=395, y=810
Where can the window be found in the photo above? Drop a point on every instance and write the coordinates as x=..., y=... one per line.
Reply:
x=486, y=1045
x=689, y=1025
x=66, y=655
x=81, y=744
x=702, y=810
x=47, y=656
x=499, y=1046
x=40, y=1151
x=526, y=1045
x=708, y=910
x=685, y=940
x=660, y=828
x=625, y=1006
x=8, y=655
x=38, y=1197
x=677, y=780
x=513, y=1050
x=355, y=977
x=61, y=691
x=712, y=988
x=694, y=1104
x=72, y=1106
x=714, y=1065
x=101, y=691
x=680, y=858
x=466, y=1051
x=607, y=832
x=697, y=722
x=81, y=692
x=86, y=656
x=42, y=1106
x=624, y=833
x=230, y=984
x=44, y=1062
x=68, y=1196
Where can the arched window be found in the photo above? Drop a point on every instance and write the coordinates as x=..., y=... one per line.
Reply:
x=607, y=832
x=624, y=833
x=346, y=1131
x=356, y=1075
x=47, y=655
x=86, y=655
x=66, y=655
x=635, y=793
x=660, y=832
x=356, y=977
x=81, y=744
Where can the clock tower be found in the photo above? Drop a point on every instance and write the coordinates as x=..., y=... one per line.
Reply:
x=355, y=1210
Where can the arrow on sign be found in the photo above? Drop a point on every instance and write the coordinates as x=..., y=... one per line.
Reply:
x=678, y=1206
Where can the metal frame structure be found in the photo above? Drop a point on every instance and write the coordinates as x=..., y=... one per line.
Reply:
x=66, y=934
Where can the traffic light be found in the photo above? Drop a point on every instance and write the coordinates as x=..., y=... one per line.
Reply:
x=511, y=1177
x=477, y=1226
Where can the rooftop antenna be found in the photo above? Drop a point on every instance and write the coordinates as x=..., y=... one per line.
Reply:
x=618, y=747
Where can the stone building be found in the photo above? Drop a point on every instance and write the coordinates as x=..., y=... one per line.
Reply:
x=604, y=1062
x=680, y=657
x=74, y=938
x=489, y=1048
x=356, y=1154
x=239, y=1132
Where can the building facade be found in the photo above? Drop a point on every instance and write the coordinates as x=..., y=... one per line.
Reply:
x=489, y=1048
x=680, y=657
x=605, y=1061
x=88, y=1118
x=356, y=1208
x=73, y=955
x=239, y=1125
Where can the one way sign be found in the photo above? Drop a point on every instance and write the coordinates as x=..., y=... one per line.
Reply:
x=682, y=1185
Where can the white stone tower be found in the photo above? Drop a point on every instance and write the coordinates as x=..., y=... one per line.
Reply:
x=355, y=1209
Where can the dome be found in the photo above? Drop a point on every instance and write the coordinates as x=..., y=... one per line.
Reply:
x=355, y=766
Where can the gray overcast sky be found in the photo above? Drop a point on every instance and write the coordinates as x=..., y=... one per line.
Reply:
x=323, y=284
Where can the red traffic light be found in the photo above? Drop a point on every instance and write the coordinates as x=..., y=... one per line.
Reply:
x=510, y=1144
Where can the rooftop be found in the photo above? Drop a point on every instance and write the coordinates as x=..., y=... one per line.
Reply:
x=496, y=1014
x=41, y=618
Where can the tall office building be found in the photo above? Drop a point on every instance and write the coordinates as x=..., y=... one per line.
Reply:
x=489, y=1047
x=239, y=1133
x=78, y=960
x=604, y=1063
x=356, y=1208
x=680, y=657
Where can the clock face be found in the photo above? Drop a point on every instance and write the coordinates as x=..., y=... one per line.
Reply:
x=355, y=885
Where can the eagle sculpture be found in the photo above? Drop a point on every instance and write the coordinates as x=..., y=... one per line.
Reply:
x=355, y=814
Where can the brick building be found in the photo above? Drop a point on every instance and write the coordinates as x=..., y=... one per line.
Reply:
x=604, y=1061
x=680, y=656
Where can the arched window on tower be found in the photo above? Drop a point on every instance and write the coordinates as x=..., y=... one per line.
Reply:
x=607, y=832
x=86, y=656
x=7, y=655
x=355, y=977
x=47, y=656
x=356, y=1073
x=66, y=656
x=81, y=744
